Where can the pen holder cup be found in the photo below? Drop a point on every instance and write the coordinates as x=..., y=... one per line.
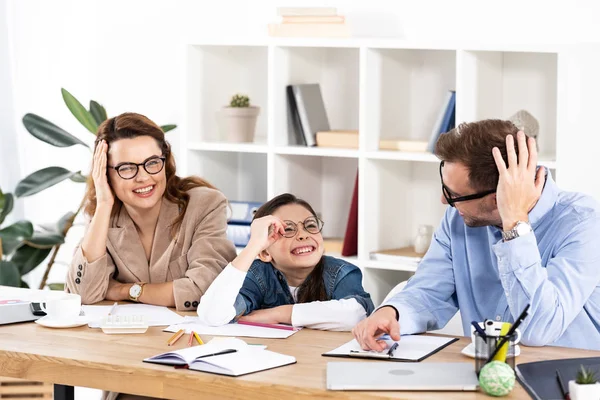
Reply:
x=485, y=346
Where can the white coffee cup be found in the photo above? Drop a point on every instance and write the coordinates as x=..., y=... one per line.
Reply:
x=66, y=307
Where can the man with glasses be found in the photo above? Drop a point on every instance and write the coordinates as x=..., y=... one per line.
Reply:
x=509, y=239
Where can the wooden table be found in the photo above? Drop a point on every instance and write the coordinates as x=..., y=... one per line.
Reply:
x=87, y=357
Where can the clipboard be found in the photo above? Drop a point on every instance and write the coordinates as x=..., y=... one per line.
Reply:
x=411, y=348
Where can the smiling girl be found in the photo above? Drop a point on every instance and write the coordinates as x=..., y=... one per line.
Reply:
x=153, y=237
x=291, y=282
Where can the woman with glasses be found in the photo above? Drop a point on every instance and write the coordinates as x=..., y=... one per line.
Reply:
x=282, y=275
x=152, y=237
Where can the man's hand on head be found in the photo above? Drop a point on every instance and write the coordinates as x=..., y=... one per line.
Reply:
x=519, y=185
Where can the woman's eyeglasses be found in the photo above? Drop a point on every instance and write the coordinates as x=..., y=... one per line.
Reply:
x=311, y=225
x=128, y=170
x=451, y=200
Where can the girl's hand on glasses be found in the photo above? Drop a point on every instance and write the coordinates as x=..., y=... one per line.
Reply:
x=104, y=194
x=264, y=232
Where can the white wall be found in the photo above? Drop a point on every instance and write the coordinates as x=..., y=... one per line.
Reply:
x=128, y=55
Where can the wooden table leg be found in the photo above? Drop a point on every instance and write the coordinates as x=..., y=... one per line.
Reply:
x=62, y=392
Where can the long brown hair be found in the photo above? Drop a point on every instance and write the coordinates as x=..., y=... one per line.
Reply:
x=471, y=144
x=132, y=125
x=313, y=287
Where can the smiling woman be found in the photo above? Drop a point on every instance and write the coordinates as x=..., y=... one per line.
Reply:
x=153, y=237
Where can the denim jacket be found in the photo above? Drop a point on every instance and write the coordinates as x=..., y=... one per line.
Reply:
x=266, y=287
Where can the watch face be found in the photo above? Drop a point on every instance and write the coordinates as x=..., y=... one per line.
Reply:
x=523, y=228
x=135, y=290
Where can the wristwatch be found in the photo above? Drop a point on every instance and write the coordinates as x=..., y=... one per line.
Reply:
x=135, y=291
x=520, y=229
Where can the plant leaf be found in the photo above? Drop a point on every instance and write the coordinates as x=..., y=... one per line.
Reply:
x=62, y=222
x=9, y=274
x=13, y=235
x=47, y=132
x=7, y=207
x=26, y=258
x=56, y=286
x=83, y=116
x=42, y=179
x=167, y=128
x=45, y=240
x=78, y=177
x=98, y=112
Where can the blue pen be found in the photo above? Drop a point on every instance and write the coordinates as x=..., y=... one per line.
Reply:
x=479, y=330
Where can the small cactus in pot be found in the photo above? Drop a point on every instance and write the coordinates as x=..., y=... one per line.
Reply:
x=238, y=120
x=585, y=385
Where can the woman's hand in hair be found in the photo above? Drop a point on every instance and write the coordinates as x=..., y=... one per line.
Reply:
x=264, y=232
x=104, y=194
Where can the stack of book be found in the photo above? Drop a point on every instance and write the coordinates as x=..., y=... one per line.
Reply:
x=309, y=22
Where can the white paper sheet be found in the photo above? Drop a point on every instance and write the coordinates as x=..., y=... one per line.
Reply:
x=192, y=324
x=157, y=315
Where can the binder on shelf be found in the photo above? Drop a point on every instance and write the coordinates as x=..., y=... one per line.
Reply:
x=239, y=220
x=445, y=121
x=350, y=246
x=309, y=111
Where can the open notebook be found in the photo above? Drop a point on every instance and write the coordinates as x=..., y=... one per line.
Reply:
x=231, y=357
x=410, y=348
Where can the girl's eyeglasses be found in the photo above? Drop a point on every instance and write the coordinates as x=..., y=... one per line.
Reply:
x=311, y=225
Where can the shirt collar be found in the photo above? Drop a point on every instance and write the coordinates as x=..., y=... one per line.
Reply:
x=546, y=201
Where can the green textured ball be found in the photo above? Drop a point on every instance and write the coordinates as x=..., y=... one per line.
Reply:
x=497, y=378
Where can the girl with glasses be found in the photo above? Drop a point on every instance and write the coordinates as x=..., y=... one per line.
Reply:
x=152, y=236
x=282, y=275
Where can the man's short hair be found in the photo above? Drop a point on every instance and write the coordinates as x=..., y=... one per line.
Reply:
x=471, y=144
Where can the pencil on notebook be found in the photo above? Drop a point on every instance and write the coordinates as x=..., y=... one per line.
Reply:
x=197, y=338
x=175, y=337
x=264, y=325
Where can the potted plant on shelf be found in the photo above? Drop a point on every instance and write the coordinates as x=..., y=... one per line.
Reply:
x=239, y=119
x=585, y=386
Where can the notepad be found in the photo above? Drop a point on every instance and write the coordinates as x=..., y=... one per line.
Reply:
x=410, y=348
x=156, y=315
x=239, y=330
x=232, y=357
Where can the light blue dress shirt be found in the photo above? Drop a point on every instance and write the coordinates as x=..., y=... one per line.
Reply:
x=556, y=269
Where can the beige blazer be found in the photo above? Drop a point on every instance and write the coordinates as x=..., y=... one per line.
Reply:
x=192, y=260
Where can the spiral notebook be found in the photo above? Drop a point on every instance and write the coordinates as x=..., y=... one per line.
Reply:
x=232, y=357
x=410, y=348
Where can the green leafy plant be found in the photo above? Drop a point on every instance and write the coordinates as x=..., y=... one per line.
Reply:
x=44, y=178
x=239, y=100
x=21, y=248
x=586, y=376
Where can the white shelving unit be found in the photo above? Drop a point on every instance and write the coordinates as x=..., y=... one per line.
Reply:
x=385, y=89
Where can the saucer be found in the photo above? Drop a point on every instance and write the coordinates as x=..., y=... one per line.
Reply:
x=469, y=351
x=62, y=323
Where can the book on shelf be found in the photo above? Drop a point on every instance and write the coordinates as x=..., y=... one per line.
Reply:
x=306, y=11
x=333, y=245
x=404, y=254
x=308, y=112
x=338, y=138
x=445, y=121
x=309, y=30
x=350, y=245
x=403, y=145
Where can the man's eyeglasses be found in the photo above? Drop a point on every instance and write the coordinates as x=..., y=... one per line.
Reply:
x=451, y=200
x=311, y=225
x=128, y=170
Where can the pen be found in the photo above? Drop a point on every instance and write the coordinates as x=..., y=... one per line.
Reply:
x=391, y=350
x=510, y=332
x=197, y=338
x=113, y=309
x=218, y=353
x=479, y=330
x=275, y=326
x=175, y=337
x=564, y=392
